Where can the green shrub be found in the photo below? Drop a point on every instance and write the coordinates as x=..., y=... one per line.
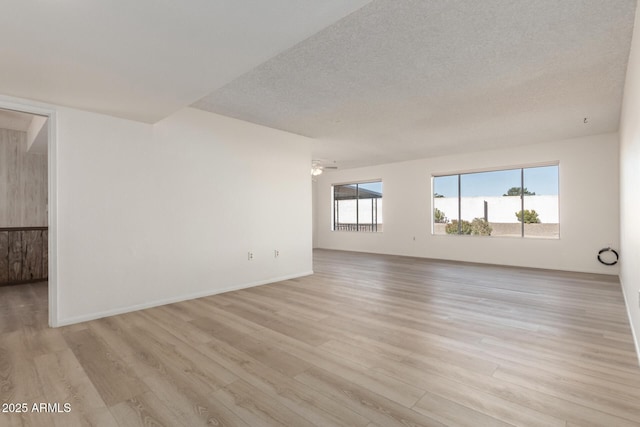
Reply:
x=452, y=227
x=439, y=216
x=517, y=191
x=477, y=227
x=480, y=227
x=530, y=216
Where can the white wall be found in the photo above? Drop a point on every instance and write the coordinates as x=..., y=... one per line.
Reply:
x=23, y=182
x=314, y=211
x=149, y=214
x=37, y=135
x=588, y=172
x=630, y=185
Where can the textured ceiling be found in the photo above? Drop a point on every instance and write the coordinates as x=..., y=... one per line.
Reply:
x=145, y=59
x=398, y=80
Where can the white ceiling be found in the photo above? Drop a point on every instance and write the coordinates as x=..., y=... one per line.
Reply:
x=371, y=81
x=144, y=59
x=398, y=80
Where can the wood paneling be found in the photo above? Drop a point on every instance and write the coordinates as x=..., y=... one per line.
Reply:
x=23, y=254
x=23, y=182
x=4, y=256
x=32, y=250
x=15, y=256
x=369, y=340
x=45, y=254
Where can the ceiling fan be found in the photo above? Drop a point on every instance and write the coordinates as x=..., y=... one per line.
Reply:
x=318, y=166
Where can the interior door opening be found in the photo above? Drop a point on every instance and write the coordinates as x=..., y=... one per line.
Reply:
x=24, y=220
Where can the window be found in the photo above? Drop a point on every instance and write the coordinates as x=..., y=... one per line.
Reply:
x=512, y=202
x=357, y=207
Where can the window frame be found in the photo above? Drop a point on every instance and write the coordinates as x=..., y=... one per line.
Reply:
x=521, y=168
x=335, y=210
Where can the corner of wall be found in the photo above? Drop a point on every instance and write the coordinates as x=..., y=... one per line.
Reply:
x=628, y=303
x=629, y=182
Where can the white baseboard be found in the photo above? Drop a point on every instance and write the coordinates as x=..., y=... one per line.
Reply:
x=627, y=303
x=156, y=303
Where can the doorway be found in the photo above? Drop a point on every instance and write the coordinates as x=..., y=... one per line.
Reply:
x=26, y=285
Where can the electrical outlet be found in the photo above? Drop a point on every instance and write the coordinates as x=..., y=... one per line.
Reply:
x=250, y=256
x=276, y=253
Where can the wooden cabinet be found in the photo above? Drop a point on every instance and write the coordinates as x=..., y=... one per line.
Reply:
x=23, y=254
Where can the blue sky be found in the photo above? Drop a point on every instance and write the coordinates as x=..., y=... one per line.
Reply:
x=373, y=186
x=541, y=180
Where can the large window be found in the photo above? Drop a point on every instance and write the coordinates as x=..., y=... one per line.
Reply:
x=519, y=202
x=357, y=206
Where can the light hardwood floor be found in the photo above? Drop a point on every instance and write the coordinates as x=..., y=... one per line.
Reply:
x=369, y=340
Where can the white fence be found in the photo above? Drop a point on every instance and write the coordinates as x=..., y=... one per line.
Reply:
x=366, y=211
x=500, y=209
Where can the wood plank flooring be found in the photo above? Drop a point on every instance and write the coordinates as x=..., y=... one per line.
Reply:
x=369, y=340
